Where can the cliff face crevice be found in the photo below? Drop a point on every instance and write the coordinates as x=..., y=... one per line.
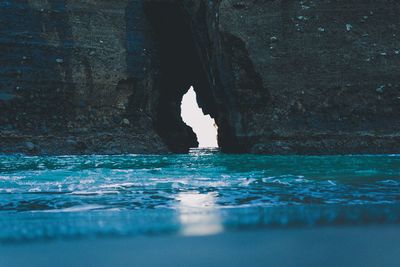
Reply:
x=235, y=85
x=192, y=51
x=178, y=69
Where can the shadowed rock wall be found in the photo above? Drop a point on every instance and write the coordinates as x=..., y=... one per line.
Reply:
x=76, y=77
x=279, y=76
x=304, y=76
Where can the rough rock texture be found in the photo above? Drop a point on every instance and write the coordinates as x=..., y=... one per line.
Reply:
x=76, y=77
x=303, y=76
x=278, y=76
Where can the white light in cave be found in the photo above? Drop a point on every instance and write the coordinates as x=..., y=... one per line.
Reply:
x=203, y=125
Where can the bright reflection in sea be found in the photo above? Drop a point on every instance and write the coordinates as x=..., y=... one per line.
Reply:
x=198, y=214
x=200, y=193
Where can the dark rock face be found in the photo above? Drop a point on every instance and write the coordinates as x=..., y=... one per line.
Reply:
x=303, y=76
x=178, y=65
x=77, y=77
x=278, y=76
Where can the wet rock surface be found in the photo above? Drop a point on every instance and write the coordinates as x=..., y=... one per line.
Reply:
x=281, y=76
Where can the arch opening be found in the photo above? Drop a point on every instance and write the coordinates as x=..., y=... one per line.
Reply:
x=180, y=64
x=179, y=67
x=203, y=125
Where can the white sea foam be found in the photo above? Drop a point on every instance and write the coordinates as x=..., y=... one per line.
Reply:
x=74, y=209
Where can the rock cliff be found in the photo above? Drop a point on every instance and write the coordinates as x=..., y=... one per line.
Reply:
x=278, y=76
x=76, y=77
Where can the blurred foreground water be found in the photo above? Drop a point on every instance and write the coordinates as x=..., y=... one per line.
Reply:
x=202, y=193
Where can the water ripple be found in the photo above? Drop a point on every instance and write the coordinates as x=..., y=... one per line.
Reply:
x=129, y=184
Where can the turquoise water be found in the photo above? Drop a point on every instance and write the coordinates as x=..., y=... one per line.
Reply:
x=204, y=192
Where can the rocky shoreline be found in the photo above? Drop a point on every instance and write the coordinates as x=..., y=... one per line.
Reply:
x=100, y=143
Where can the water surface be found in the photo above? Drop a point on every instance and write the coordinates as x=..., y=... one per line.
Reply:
x=204, y=192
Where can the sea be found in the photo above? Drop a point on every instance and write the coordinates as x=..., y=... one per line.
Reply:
x=204, y=192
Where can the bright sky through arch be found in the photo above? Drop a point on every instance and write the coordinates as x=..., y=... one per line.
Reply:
x=203, y=125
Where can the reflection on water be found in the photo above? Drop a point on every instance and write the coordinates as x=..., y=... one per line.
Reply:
x=198, y=213
x=204, y=192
